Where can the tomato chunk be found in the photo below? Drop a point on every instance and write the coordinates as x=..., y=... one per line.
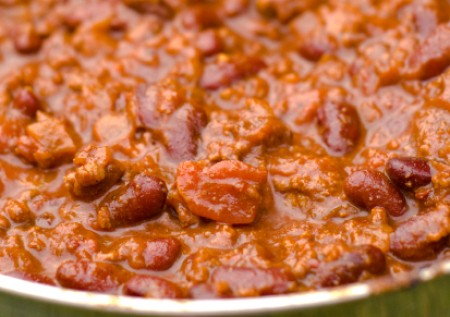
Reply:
x=229, y=191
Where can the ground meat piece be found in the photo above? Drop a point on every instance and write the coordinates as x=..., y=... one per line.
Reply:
x=420, y=237
x=96, y=171
x=431, y=130
x=229, y=191
x=233, y=135
x=47, y=142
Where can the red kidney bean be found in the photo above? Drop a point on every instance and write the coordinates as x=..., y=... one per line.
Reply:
x=154, y=102
x=220, y=74
x=204, y=291
x=409, y=172
x=433, y=56
x=151, y=287
x=90, y=276
x=239, y=281
x=339, y=126
x=422, y=236
x=200, y=17
x=32, y=277
x=160, y=254
x=368, y=189
x=157, y=7
x=228, y=191
x=349, y=267
x=27, y=41
x=26, y=101
x=208, y=43
x=141, y=199
x=182, y=131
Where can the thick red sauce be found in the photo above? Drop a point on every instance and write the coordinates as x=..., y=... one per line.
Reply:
x=204, y=149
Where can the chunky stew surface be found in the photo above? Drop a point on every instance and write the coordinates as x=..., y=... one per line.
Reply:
x=216, y=149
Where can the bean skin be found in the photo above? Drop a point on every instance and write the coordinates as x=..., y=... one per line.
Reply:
x=90, y=276
x=237, y=281
x=409, y=172
x=26, y=101
x=422, y=236
x=339, y=126
x=160, y=254
x=368, y=189
x=348, y=268
x=27, y=41
x=141, y=199
x=151, y=287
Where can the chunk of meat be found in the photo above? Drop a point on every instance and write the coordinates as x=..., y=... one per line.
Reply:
x=409, y=172
x=222, y=73
x=91, y=276
x=152, y=287
x=140, y=199
x=182, y=132
x=235, y=134
x=420, y=237
x=228, y=191
x=339, y=126
x=431, y=130
x=369, y=189
x=237, y=281
x=349, y=267
x=47, y=142
x=432, y=57
x=141, y=253
x=96, y=172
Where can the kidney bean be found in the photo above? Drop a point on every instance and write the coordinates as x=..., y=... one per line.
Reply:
x=432, y=57
x=228, y=191
x=142, y=198
x=151, y=287
x=27, y=41
x=182, y=132
x=32, y=277
x=26, y=101
x=208, y=43
x=349, y=267
x=155, y=7
x=204, y=291
x=200, y=17
x=421, y=236
x=154, y=102
x=160, y=254
x=239, y=281
x=368, y=189
x=220, y=74
x=90, y=276
x=409, y=172
x=339, y=126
